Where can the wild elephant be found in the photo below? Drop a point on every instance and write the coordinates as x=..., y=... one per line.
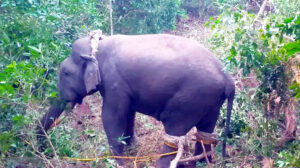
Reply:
x=171, y=78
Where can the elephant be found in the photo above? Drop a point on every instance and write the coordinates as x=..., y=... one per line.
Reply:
x=174, y=79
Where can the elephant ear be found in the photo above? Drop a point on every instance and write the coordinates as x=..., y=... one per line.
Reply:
x=91, y=74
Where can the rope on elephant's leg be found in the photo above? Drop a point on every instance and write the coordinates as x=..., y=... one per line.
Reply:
x=181, y=142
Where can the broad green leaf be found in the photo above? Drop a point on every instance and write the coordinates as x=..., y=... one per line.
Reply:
x=237, y=16
x=233, y=51
x=297, y=21
x=53, y=94
x=292, y=48
x=295, y=87
x=288, y=20
x=34, y=49
x=12, y=65
x=18, y=118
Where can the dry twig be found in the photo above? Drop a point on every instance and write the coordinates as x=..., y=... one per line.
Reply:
x=50, y=143
x=205, y=155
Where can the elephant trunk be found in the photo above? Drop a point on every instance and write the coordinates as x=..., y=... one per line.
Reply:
x=57, y=107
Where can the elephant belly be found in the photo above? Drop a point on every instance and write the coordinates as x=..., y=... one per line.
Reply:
x=187, y=103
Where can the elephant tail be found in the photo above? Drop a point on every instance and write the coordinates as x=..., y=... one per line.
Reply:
x=229, y=92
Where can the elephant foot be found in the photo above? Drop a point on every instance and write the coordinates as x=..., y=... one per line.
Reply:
x=131, y=141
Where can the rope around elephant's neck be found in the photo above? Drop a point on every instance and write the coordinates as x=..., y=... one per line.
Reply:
x=95, y=36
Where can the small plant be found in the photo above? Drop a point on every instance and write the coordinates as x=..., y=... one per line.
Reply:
x=289, y=157
x=37, y=36
x=258, y=50
x=147, y=16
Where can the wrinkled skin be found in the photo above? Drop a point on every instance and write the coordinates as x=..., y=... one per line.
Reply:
x=173, y=79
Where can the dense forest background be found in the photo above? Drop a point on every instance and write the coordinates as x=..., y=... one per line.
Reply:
x=257, y=40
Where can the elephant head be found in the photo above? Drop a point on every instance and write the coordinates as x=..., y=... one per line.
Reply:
x=79, y=74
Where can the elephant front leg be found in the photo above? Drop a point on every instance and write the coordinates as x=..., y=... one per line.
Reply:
x=118, y=123
x=129, y=132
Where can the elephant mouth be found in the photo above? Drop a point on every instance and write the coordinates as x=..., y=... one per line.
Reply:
x=73, y=98
x=78, y=98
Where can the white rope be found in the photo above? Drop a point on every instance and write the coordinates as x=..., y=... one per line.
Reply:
x=95, y=37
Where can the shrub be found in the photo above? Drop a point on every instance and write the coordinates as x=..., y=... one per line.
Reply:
x=37, y=35
x=259, y=48
x=150, y=16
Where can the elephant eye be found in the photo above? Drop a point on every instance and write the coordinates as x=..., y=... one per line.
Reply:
x=66, y=73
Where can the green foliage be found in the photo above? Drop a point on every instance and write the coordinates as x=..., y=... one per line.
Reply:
x=289, y=157
x=263, y=49
x=203, y=9
x=259, y=48
x=150, y=16
x=63, y=139
x=296, y=89
x=7, y=140
x=10, y=141
x=37, y=36
x=286, y=8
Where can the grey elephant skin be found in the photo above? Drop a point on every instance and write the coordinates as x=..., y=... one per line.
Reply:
x=171, y=78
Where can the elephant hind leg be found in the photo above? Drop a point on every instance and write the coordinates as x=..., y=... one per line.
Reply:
x=207, y=127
